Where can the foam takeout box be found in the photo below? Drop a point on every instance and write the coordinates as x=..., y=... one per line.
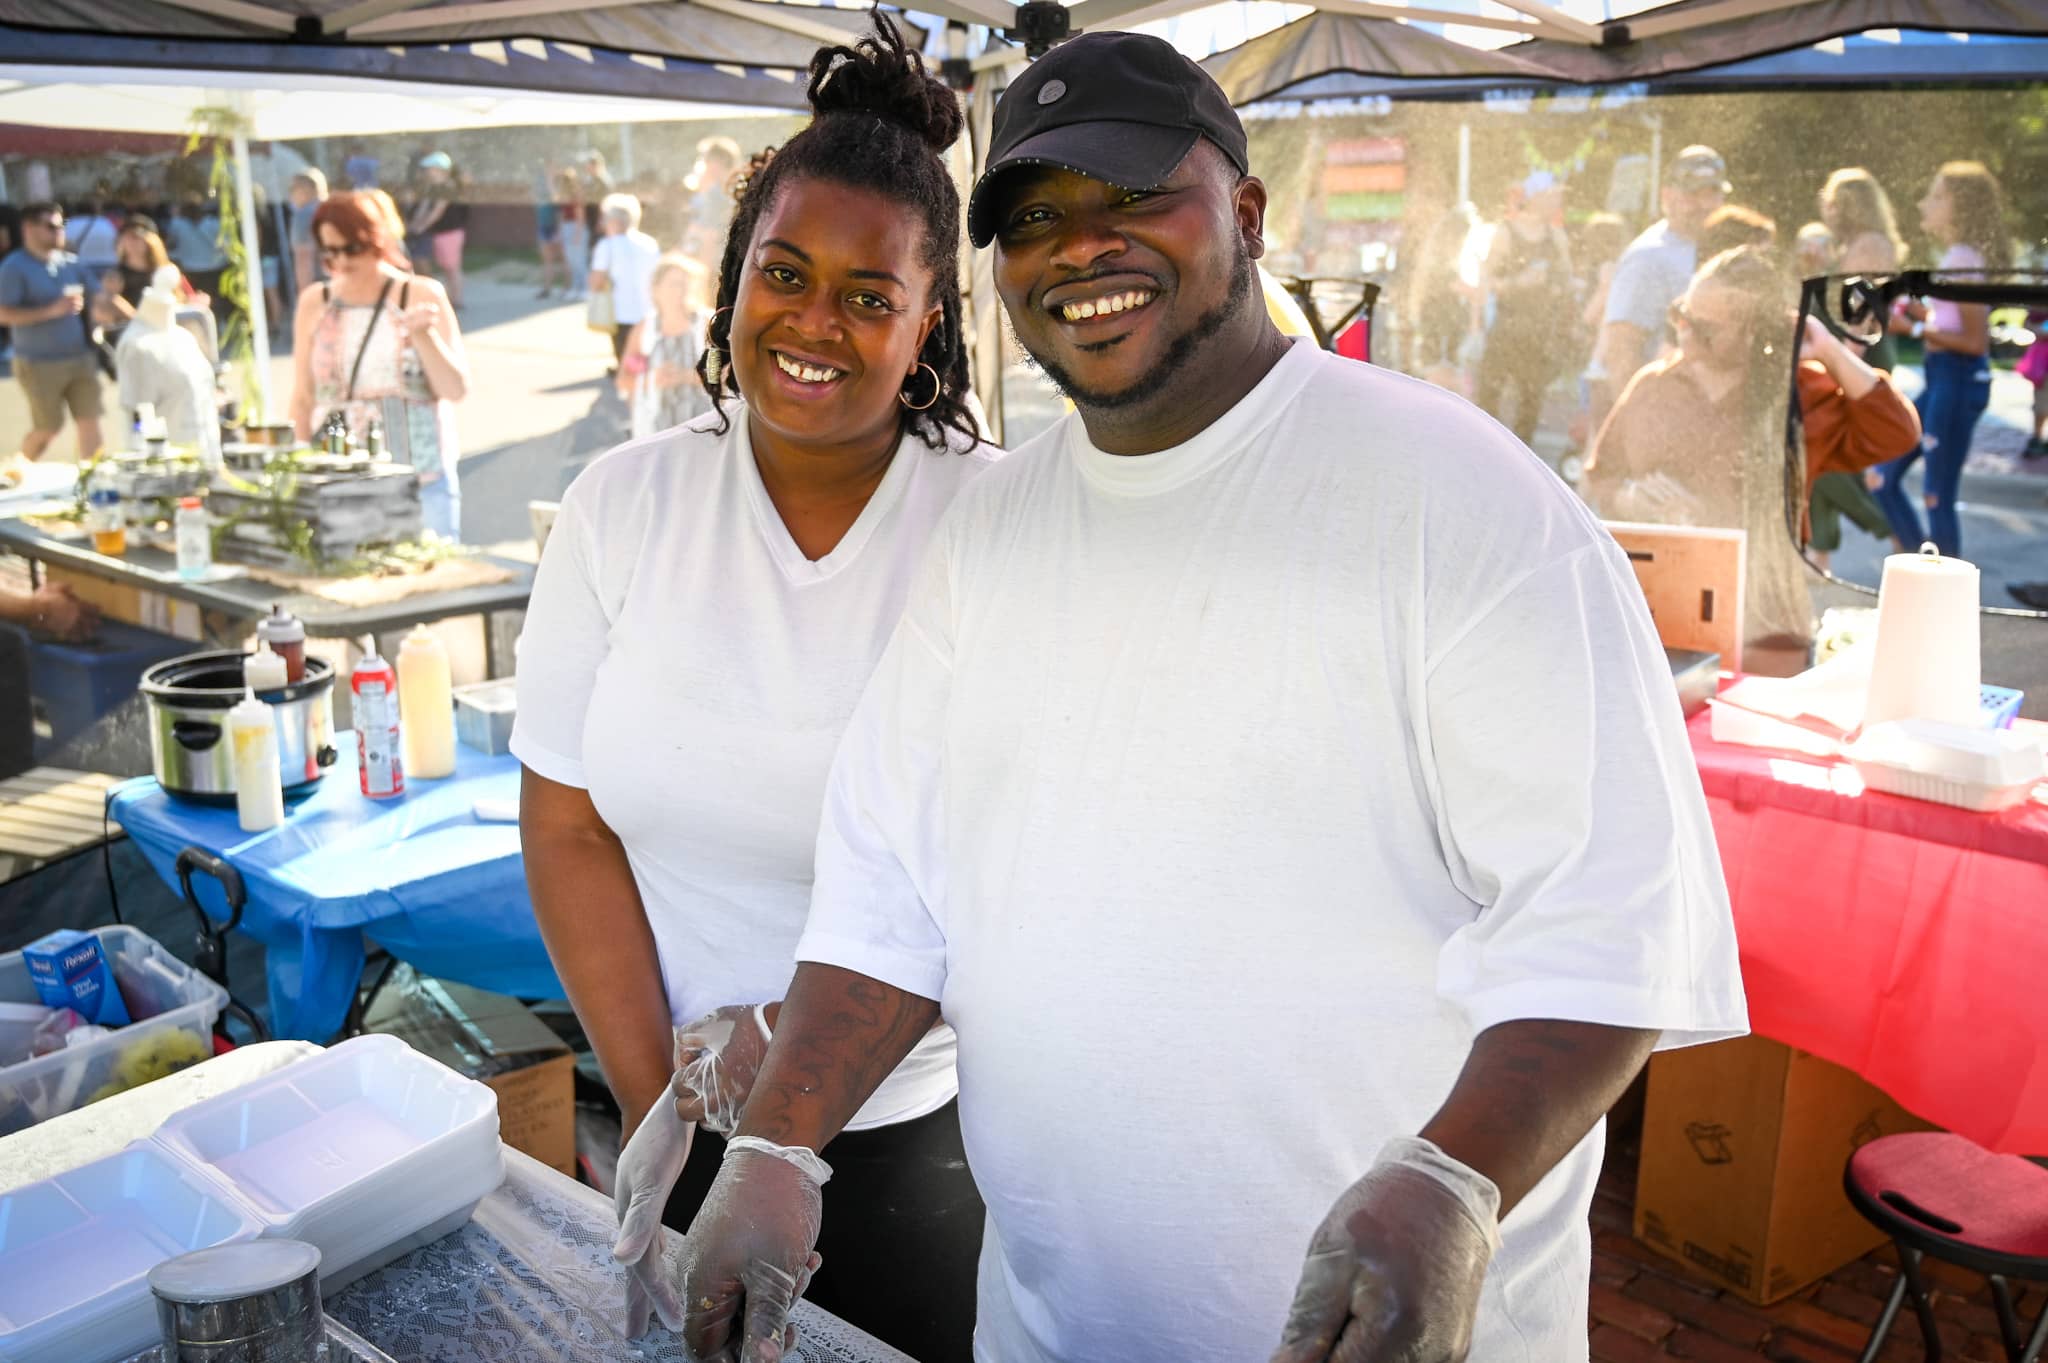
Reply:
x=364, y=1150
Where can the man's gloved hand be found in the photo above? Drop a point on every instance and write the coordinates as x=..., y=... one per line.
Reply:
x=717, y=1057
x=750, y=1250
x=1394, y=1271
x=648, y=1169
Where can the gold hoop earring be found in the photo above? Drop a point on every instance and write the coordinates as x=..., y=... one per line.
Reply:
x=937, y=386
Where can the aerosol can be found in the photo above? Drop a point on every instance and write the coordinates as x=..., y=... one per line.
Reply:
x=380, y=767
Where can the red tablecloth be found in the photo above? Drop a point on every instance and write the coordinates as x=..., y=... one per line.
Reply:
x=1905, y=940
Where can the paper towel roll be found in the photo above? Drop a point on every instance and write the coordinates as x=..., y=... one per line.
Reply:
x=1928, y=662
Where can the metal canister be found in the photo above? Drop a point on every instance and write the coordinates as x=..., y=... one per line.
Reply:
x=257, y=1302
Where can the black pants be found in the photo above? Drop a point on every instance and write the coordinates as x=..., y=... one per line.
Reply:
x=1517, y=364
x=17, y=710
x=901, y=1234
x=1836, y=495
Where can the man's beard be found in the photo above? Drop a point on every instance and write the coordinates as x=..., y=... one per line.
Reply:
x=1177, y=355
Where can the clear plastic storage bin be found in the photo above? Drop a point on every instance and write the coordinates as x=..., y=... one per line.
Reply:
x=174, y=1007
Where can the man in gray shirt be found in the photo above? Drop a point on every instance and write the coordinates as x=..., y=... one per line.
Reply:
x=1654, y=271
x=44, y=292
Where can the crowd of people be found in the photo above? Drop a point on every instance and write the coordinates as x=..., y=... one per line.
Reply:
x=1687, y=335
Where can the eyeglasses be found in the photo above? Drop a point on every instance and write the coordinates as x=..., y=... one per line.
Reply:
x=52, y=224
x=354, y=248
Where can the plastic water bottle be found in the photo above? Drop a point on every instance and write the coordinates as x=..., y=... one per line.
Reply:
x=195, y=539
x=105, y=513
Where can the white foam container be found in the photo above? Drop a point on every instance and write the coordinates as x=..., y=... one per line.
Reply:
x=357, y=1150
x=75, y=1251
x=1978, y=769
x=183, y=1010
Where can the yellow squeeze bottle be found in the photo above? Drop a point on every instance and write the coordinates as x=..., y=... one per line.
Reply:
x=259, y=786
x=426, y=706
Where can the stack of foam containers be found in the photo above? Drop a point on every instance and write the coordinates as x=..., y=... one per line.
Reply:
x=365, y=1150
x=75, y=1249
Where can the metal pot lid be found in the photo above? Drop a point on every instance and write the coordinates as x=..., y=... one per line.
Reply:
x=231, y=1272
x=213, y=681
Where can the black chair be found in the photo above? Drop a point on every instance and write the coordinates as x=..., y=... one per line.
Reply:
x=1943, y=1196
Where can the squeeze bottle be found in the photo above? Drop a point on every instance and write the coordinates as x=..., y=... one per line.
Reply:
x=259, y=788
x=263, y=670
x=287, y=638
x=426, y=705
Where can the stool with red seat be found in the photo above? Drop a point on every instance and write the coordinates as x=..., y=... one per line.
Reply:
x=1944, y=1196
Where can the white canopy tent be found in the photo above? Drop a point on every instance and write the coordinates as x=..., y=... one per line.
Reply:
x=116, y=99
x=627, y=51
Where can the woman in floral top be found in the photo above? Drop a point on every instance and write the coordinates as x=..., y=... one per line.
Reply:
x=371, y=332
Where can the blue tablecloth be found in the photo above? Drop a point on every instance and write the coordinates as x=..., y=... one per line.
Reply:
x=421, y=875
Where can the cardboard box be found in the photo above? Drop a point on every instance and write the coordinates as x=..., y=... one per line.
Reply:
x=495, y=1039
x=132, y=605
x=1744, y=1144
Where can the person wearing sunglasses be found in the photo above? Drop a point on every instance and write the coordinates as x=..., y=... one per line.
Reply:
x=371, y=332
x=44, y=293
x=1697, y=438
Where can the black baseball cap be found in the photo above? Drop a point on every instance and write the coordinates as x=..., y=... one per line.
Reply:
x=1124, y=108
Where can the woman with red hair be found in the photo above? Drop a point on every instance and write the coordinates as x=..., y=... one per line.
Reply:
x=371, y=333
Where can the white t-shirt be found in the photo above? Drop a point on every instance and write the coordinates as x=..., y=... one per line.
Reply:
x=1221, y=796
x=628, y=260
x=685, y=663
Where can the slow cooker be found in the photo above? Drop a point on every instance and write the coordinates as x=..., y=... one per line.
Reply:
x=188, y=701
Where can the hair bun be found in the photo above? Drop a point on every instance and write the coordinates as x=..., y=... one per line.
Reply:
x=883, y=76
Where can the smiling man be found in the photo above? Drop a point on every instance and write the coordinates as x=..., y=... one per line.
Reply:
x=1276, y=782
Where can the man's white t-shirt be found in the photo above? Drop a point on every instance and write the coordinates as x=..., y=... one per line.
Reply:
x=628, y=260
x=1221, y=796
x=687, y=665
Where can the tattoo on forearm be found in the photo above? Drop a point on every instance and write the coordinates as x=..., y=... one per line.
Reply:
x=842, y=1047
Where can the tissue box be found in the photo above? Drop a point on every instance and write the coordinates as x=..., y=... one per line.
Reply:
x=69, y=970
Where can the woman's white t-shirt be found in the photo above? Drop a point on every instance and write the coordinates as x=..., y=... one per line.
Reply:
x=628, y=260
x=684, y=662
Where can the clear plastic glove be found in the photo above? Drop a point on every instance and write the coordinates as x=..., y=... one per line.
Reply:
x=717, y=1058
x=1394, y=1272
x=648, y=1169
x=750, y=1251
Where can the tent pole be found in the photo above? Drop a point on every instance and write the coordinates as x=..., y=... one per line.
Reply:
x=1652, y=208
x=984, y=321
x=252, y=251
x=1464, y=163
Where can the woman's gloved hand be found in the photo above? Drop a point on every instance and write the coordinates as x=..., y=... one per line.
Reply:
x=717, y=1058
x=1393, y=1273
x=648, y=1169
x=749, y=1256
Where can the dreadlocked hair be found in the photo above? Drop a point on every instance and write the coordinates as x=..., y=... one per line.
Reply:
x=880, y=121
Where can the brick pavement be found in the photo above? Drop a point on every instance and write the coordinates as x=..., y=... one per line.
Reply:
x=1646, y=1309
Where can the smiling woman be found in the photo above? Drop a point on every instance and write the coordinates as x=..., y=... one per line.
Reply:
x=710, y=605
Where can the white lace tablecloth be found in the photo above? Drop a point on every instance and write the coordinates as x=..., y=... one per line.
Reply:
x=531, y=1279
